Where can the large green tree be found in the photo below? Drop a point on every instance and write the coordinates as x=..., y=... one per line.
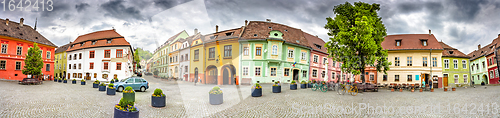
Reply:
x=356, y=35
x=33, y=63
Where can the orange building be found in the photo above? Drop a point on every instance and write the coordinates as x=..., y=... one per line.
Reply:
x=15, y=39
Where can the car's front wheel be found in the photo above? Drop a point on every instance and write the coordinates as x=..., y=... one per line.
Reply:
x=143, y=89
x=120, y=89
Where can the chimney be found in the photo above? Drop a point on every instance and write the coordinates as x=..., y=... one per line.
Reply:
x=246, y=22
x=478, y=46
x=216, y=28
x=7, y=22
x=268, y=20
x=21, y=22
x=430, y=32
x=195, y=31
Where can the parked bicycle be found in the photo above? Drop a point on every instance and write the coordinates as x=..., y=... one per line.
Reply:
x=322, y=86
x=351, y=89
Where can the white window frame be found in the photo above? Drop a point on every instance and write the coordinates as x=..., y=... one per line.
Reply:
x=290, y=53
x=325, y=60
x=4, y=50
x=314, y=73
x=303, y=54
x=446, y=64
x=464, y=64
x=271, y=71
x=455, y=78
x=315, y=58
x=245, y=71
x=260, y=71
x=465, y=78
x=286, y=73
x=246, y=51
x=275, y=50
x=455, y=64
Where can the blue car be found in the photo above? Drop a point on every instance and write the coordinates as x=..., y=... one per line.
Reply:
x=137, y=83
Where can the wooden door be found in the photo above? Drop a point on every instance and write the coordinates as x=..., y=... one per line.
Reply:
x=445, y=81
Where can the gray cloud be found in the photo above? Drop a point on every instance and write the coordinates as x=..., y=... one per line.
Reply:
x=167, y=4
x=82, y=6
x=117, y=9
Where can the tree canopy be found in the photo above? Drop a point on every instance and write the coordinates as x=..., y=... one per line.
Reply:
x=33, y=63
x=356, y=35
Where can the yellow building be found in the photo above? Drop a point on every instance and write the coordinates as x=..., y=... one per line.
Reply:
x=60, y=61
x=415, y=58
x=221, y=53
x=197, y=59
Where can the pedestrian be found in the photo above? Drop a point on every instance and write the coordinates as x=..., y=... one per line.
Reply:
x=430, y=83
x=473, y=84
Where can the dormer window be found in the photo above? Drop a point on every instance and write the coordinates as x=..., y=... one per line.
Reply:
x=317, y=46
x=450, y=52
x=108, y=41
x=424, y=42
x=254, y=35
x=270, y=27
x=93, y=42
x=213, y=37
x=398, y=42
x=229, y=34
x=81, y=44
x=72, y=46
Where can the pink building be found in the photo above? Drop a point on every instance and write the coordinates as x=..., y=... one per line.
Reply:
x=321, y=68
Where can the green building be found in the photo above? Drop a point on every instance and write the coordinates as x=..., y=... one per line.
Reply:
x=60, y=61
x=273, y=52
x=455, y=67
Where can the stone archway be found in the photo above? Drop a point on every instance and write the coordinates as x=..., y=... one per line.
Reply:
x=228, y=74
x=485, y=79
x=211, y=75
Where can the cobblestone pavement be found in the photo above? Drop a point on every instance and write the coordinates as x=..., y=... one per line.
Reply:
x=53, y=99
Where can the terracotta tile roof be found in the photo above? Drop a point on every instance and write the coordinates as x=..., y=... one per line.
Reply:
x=101, y=40
x=221, y=35
x=451, y=52
x=261, y=29
x=62, y=48
x=24, y=32
x=484, y=50
x=411, y=42
x=173, y=37
x=191, y=38
x=313, y=41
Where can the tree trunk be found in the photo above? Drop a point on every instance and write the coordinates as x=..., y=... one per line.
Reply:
x=362, y=75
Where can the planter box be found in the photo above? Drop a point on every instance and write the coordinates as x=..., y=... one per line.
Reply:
x=276, y=89
x=111, y=81
x=453, y=89
x=102, y=88
x=216, y=99
x=303, y=86
x=73, y=82
x=129, y=96
x=293, y=86
x=59, y=80
x=55, y=80
x=110, y=91
x=124, y=114
x=82, y=83
x=256, y=92
x=116, y=80
x=158, y=101
x=309, y=86
x=95, y=85
x=65, y=81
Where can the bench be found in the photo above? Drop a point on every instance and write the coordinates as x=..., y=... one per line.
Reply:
x=30, y=81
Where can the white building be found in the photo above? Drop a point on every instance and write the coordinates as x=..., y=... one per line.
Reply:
x=101, y=55
x=184, y=56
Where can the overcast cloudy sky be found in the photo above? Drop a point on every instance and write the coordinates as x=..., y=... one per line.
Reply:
x=463, y=24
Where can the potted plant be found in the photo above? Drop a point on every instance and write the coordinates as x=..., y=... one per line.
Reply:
x=392, y=89
x=445, y=89
x=82, y=82
x=482, y=84
x=412, y=89
x=303, y=84
x=257, y=90
x=293, y=85
x=111, y=90
x=129, y=94
x=432, y=89
x=158, y=98
x=59, y=80
x=102, y=87
x=216, y=96
x=277, y=87
x=73, y=81
x=95, y=84
x=65, y=81
x=126, y=109
x=309, y=84
x=421, y=90
x=116, y=79
x=401, y=90
x=453, y=89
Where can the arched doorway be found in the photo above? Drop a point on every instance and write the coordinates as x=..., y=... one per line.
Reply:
x=485, y=79
x=228, y=74
x=196, y=74
x=69, y=75
x=64, y=74
x=212, y=74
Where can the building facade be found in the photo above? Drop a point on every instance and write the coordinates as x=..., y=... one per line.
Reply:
x=492, y=68
x=60, y=61
x=101, y=55
x=161, y=61
x=221, y=50
x=15, y=40
x=415, y=58
x=197, y=61
x=455, y=67
x=322, y=68
x=479, y=63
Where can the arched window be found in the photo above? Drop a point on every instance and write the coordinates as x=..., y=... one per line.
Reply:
x=275, y=50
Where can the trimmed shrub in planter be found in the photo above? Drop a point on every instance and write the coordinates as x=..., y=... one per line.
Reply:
x=111, y=90
x=309, y=85
x=158, y=98
x=293, y=85
x=82, y=82
x=129, y=94
x=73, y=81
x=65, y=81
x=59, y=80
x=257, y=90
x=215, y=96
x=126, y=109
x=277, y=87
x=102, y=87
x=95, y=84
x=482, y=84
x=303, y=84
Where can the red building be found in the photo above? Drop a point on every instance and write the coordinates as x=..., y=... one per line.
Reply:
x=492, y=68
x=15, y=39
